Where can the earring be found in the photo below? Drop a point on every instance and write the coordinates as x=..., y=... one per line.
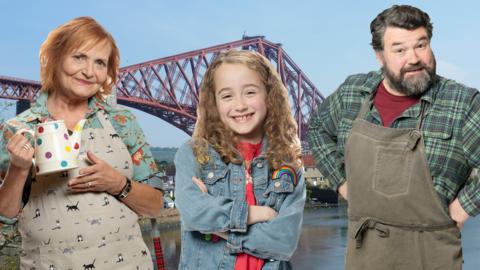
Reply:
x=101, y=90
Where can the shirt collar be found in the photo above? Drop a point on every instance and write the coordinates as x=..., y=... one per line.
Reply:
x=40, y=111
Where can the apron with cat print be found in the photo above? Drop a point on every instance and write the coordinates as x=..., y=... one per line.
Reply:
x=65, y=230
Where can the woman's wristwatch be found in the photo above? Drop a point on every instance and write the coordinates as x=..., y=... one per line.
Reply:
x=125, y=190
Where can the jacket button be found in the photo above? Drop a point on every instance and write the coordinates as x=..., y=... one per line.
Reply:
x=210, y=175
x=260, y=165
x=277, y=184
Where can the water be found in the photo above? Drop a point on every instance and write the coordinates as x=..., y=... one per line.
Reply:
x=323, y=242
x=323, y=239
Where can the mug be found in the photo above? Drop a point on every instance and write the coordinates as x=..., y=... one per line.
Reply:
x=55, y=150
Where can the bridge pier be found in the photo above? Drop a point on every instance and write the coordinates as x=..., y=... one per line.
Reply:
x=22, y=105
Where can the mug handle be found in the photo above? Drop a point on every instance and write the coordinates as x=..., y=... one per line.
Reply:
x=25, y=130
x=29, y=131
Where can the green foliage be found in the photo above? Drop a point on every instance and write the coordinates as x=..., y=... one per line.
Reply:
x=9, y=263
x=6, y=109
x=10, y=247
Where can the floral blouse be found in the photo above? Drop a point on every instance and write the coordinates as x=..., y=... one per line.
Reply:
x=124, y=122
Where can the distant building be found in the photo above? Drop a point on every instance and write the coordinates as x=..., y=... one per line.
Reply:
x=317, y=184
x=168, y=177
x=312, y=175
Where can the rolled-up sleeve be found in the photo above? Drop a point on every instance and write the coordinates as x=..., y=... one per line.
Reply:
x=469, y=195
x=322, y=136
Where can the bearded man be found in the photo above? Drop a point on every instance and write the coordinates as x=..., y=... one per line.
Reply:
x=400, y=145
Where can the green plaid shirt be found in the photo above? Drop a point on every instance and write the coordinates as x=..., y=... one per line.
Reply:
x=451, y=129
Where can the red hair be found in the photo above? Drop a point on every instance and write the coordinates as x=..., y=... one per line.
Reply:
x=75, y=34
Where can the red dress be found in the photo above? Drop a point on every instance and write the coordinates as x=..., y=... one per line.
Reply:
x=249, y=151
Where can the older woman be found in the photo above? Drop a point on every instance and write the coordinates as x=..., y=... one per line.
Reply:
x=89, y=221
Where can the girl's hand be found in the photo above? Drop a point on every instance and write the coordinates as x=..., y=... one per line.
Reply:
x=200, y=184
x=99, y=177
x=223, y=235
x=257, y=214
x=20, y=151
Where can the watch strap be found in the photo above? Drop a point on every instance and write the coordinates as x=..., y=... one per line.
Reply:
x=126, y=189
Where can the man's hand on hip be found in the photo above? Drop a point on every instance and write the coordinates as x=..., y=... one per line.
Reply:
x=457, y=213
x=343, y=190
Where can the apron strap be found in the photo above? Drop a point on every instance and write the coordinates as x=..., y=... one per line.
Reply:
x=107, y=125
x=414, y=137
x=416, y=134
x=365, y=106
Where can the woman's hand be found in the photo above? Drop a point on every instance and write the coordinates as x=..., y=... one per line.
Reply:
x=20, y=151
x=98, y=177
x=256, y=213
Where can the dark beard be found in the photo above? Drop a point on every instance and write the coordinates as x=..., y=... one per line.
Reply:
x=414, y=86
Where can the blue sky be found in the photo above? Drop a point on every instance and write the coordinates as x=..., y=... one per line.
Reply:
x=328, y=39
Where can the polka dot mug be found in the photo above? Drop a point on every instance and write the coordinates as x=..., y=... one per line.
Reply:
x=55, y=149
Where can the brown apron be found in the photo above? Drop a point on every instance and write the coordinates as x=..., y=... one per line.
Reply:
x=396, y=218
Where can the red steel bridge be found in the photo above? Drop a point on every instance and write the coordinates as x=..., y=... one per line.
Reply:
x=168, y=87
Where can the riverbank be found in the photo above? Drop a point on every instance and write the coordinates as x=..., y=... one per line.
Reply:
x=168, y=219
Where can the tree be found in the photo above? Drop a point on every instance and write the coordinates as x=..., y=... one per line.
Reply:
x=6, y=107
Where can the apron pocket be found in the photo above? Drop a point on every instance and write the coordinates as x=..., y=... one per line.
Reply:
x=392, y=171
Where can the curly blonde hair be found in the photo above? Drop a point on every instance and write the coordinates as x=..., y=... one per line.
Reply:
x=279, y=126
x=70, y=36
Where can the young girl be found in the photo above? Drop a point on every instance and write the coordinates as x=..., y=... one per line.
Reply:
x=239, y=187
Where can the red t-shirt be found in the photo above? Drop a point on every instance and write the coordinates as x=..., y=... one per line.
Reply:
x=249, y=152
x=390, y=106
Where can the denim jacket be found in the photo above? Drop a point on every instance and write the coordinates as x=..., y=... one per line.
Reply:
x=224, y=209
